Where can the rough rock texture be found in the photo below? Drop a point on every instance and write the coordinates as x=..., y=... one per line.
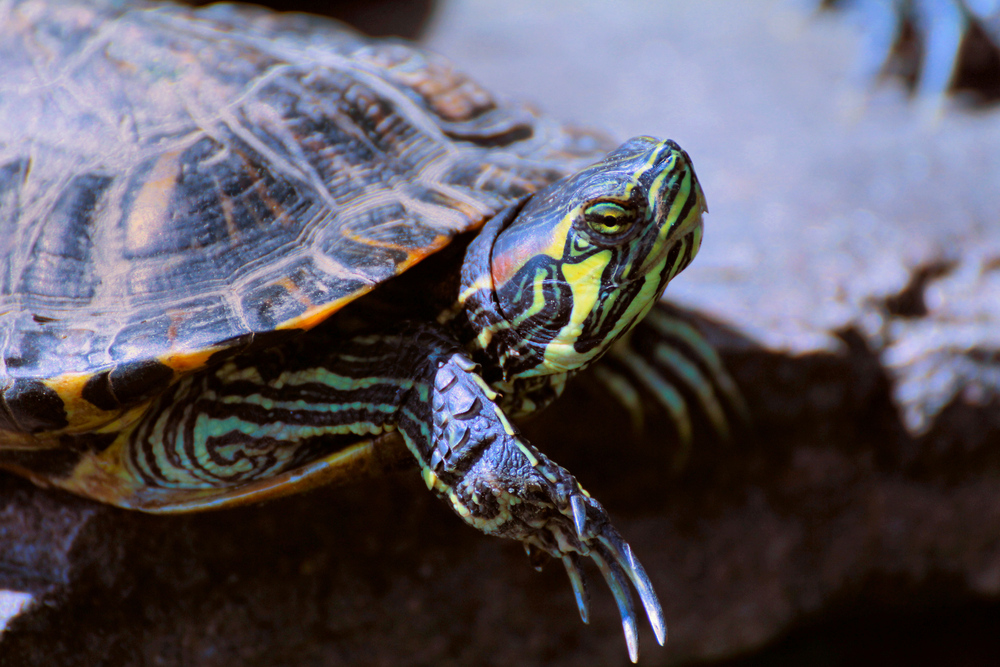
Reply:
x=850, y=276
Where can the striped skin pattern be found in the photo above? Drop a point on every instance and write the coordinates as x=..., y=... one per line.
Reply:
x=254, y=417
x=262, y=413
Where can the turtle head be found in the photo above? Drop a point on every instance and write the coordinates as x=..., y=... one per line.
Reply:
x=552, y=282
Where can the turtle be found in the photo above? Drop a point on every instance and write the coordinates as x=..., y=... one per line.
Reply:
x=244, y=254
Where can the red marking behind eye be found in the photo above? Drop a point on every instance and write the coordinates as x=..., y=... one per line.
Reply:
x=511, y=254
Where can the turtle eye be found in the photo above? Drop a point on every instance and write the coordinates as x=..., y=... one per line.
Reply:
x=609, y=219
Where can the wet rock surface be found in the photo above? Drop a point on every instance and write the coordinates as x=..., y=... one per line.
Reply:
x=850, y=279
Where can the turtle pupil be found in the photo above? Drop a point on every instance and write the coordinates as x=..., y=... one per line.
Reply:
x=608, y=218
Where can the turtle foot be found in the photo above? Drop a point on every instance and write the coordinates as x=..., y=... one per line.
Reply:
x=594, y=537
x=544, y=507
x=500, y=484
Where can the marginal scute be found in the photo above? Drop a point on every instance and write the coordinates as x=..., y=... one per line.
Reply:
x=128, y=384
x=249, y=343
x=98, y=392
x=36, y=350
x=33, y=406
x=143, y=339
x=271, y=304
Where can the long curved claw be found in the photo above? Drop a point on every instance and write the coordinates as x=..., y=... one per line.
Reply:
x=504, y=486
x=584, y=529
x=579, y=583
x=619, y=588
x=594, y=536
x=621, y=552
x=579, y=506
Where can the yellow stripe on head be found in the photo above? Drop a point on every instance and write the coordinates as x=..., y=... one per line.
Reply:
x=585, y=258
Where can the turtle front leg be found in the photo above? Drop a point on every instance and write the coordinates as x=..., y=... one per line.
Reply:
x=475, y=459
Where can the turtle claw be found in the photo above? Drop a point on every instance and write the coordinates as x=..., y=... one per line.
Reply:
x=579, y=506
x=621, y=554
x=618, y=584
x=614, y=558
x=576, y=579
x=593, y=535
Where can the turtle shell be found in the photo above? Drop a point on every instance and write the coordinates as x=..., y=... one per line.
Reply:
x=177, y=183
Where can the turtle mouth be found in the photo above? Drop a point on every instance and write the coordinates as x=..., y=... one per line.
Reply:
x=678, y=202
x=685, y=248
x=675, y=255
